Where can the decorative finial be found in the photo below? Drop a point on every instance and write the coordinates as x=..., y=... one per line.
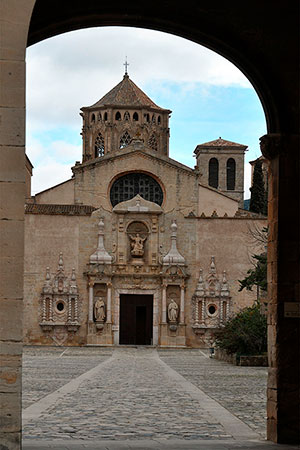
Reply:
x=126, y=64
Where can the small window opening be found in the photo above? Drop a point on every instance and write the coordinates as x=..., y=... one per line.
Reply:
x=158, y=119
x=99, y=117
x=93, y=118
x=118, y=116
x=212, y=309
x=231, y=174
x=126, y=116
x=147, y=117
x=105, y=116
x=60, y=306
x=153, y=118
x=135, y=117
x=213, y=173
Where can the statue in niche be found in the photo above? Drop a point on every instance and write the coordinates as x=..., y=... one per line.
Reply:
x=172, y=311
x=99, y=310
x=137, y=245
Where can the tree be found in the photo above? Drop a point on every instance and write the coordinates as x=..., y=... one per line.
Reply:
x=256, y=276
x=258, y=193
x=245, y=333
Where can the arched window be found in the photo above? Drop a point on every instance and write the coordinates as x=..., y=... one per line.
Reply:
x=93, y=118
x=126, y=116
x=147, y=117
x=105, y=116
x=125, y=140
x=135, y=117
x=213, y=173
x=231, y=174
x=118, y=116
x=131, y=184
x=99, y=117
x=152, y=142
x=158, y=120
x=99, y=146
x=153, y=118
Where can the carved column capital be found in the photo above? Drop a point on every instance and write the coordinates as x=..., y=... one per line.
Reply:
x=272, y=145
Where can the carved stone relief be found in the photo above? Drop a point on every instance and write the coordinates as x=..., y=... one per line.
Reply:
x=211, y=301
x=59, y=304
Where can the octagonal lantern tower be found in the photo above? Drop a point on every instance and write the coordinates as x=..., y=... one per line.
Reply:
x=123, y=114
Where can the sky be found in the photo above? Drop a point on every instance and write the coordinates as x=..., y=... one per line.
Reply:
x=209, y=97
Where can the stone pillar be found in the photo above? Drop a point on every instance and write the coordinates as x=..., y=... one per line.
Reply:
x=164, y=304
x=14, y=23
x=283, y=287
x=108, y=306
x=91, y=301
x=181, y=319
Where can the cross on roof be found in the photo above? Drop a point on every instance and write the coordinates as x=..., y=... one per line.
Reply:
x=126, y=64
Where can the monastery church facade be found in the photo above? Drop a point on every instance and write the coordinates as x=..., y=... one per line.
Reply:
x=137, y=248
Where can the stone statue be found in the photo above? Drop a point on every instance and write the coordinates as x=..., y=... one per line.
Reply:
x=99, y=310
x=137, y=245
x=172, y=311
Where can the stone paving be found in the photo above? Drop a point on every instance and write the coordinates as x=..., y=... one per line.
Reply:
x=135, y=396
x=241, y=390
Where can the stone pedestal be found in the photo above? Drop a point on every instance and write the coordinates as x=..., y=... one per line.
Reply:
x=98, y=335
x=172, y=338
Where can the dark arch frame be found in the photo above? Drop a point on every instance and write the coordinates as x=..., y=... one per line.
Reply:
x=250, y=35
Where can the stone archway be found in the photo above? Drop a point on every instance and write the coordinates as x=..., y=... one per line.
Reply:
x=262, y=43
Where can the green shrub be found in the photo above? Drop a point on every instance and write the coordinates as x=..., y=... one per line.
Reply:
x=245, y=333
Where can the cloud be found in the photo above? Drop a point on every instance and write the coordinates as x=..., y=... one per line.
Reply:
x=49, y=174
x=73, y=70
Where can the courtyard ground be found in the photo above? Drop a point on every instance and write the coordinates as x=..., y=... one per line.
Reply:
x=138, y=397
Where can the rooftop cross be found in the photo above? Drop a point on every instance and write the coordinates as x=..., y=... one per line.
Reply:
x=126, y=64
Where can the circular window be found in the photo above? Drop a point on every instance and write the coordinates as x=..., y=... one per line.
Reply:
x=212, y=309
x=132, y=184
x=60, y=306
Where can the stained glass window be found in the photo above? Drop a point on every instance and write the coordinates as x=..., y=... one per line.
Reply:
x=99, y=146
x=131, y=184
x=125, y=140
x=152, y=142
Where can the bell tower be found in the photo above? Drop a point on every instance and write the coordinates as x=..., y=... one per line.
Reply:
x=123, y=114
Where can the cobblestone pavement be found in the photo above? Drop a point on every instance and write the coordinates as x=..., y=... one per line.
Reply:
x=133, y=395
x=241, y=390
x=45, y=369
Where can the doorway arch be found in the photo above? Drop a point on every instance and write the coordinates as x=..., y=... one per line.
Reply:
x=262, y=44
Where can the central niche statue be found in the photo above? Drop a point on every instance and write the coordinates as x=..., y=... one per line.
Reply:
x=99, y=310
x=137, y=245
x=172, y=311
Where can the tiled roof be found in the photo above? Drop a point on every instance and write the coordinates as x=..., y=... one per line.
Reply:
x=126, y=93
x=64, y=210
x=219, y=143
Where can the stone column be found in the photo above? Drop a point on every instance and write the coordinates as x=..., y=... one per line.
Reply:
x=91, y=301
x=14, y=24
x=164, y=304
x=283, y=287
x=182, y=287
x=108, y=306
